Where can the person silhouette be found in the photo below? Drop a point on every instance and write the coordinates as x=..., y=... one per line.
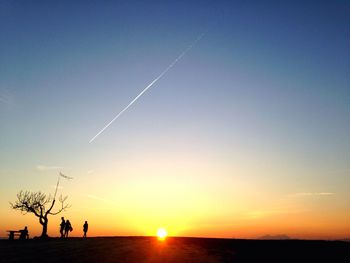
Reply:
x=85, y=228
x=62, y=227
x=67, y=228
x=24, y=234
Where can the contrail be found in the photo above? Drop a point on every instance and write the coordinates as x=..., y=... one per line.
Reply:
x=148, y=86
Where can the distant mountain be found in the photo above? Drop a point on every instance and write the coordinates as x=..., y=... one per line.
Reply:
x=274, y=237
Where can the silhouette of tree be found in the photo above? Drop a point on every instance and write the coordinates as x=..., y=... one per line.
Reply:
x=40, y=205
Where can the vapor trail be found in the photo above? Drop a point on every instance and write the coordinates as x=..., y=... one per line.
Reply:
x=148, y=86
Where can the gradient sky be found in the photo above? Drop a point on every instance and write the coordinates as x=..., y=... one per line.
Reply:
x=247, y=135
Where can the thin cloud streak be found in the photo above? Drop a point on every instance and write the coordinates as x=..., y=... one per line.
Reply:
x=5, y=97
x=149, y=86
x=256, y=214
x=312, y=194
x=40, y=167
x=98, y=198
x=55, y=186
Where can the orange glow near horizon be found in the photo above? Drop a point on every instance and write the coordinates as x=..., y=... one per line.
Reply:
x=189, y=206
x=187, y=198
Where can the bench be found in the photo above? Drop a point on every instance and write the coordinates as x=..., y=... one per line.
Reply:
x=14, y=233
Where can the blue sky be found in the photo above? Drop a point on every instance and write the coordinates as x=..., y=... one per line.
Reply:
x=266, y=89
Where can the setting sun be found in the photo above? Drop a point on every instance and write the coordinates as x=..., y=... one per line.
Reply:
x=162, y=233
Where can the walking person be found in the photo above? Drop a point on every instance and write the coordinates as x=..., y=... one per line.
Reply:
x=62, y=227
x=85, y=228
x=68, y=227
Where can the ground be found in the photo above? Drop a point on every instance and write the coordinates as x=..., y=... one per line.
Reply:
x=180, y=249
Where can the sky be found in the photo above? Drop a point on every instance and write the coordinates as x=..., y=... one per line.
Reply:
x=247, y=135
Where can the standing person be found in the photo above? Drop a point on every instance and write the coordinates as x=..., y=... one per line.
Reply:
x=68, y=227
x=62, y=227
x=85, y=228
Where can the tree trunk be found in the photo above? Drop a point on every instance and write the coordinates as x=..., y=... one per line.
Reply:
x=43, y=222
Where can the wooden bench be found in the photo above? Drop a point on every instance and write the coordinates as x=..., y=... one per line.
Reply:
x=15, y=233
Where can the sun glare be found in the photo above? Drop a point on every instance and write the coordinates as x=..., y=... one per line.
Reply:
x=161, y=233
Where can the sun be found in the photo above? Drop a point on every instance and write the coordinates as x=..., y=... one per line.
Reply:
x=161, y=233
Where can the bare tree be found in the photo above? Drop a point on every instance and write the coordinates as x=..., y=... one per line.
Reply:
x=40, y=205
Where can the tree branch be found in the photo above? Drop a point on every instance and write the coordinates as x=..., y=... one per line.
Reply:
x=35, y=202
x=63, y=206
